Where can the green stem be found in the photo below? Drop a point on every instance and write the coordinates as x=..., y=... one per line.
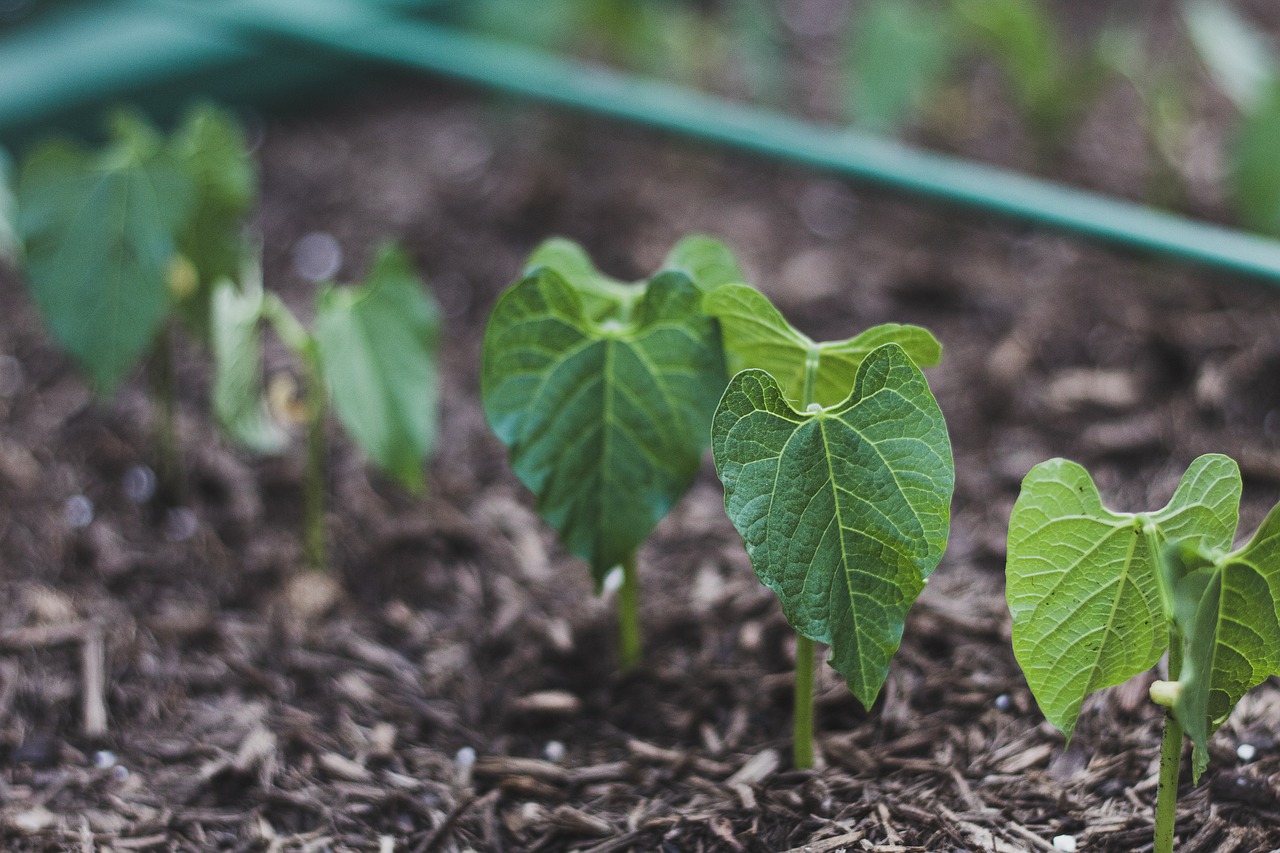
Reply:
x=630, y=648
x=1170, y=761
x=802, y=735
x=164, y=385
x=314, y=537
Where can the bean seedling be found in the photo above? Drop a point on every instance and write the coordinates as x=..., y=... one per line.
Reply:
x=603, y=393
x=118, y=242
x=838, y=475
x=372, y=354
x=1098, y=596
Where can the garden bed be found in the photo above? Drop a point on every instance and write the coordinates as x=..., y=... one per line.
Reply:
x=454, y=685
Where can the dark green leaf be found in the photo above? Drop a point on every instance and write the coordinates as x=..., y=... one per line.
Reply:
x=98, y=231
x=844, y=510
x=757, y=335
x=377, y=346
x=1081, y=580
x=604, y=396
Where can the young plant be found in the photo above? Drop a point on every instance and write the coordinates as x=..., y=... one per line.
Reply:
x=1098, y=596
x=1246, y=68
x=9, y=246
x=838, y=475
x=603, y=393
x=372, y=355
x=119, y=242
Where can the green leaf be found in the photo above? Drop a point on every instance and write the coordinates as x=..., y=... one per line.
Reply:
x=706, y=261
x=211, y=147
x=1255, y=177
x=8, y=209
x=604, y=404
x=1226, y=613
x=1235, y=51
x=600, y=294
x=98, y=232
x=1081, y=580
x=236, y=341
x=844, y=510
x=757, y=335
x=377, y=345
x=901, y=52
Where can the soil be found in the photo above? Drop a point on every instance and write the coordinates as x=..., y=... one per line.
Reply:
x=452, y=685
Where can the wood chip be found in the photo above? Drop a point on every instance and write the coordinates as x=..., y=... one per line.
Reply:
x=830, y=845
x=557, y=703
x=344, y=768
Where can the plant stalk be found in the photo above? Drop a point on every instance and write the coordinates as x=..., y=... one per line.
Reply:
x=1170, y=760
x=314, y=536
x=802, y=734
x=630, y=646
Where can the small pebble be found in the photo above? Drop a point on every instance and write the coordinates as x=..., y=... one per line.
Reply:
x=180, y=524
x=139, y=484
x=554, y=751
x=120, y=773
x=104, y=759
x=78, y=511
x=1246, y=752
x=317, y=256
x=466, y=757
x=1065, y=843
x=1003, y=702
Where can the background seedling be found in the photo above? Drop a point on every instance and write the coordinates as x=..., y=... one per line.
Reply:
x=119, y=242
x=838, y=475
x=1098, y=596
x=603, y=393
x=372, y=355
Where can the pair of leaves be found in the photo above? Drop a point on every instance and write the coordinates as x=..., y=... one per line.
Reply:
x=604, y=391
x=102, y=230
x=374, y=344
x=837, y=473
x=1093, y=592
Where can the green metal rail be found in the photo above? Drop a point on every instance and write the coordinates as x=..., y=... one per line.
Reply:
x=216, y=35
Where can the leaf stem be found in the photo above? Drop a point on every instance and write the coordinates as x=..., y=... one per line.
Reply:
x=1170, y=760
x=164, y=387
x=802, y=734
x=630, y=648
x=314, y=537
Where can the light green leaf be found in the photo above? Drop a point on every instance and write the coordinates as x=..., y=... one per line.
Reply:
x=377, y=345
x=600, y=294
x=901, y=52
x=212, y=149
x=844, y=510
x=8, y=209
x=1255, y=176
x=236, y=341
x=1081, y=580
x=1237, y=54
x=98, y=232
x=706, y=261
x=757, y=335
x=606, y=412
x=1225, y=611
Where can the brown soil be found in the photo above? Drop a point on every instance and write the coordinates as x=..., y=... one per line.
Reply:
x=251, y=706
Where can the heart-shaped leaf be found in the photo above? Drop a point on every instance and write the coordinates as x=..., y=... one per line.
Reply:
x=844, y=510
x=98, y=231
x=603, y=392
x=1226, y=613
x=706, y=261
x=377, y=345
x=236, y=340
x=1081, y=580
x=757, y=335
x=211, y=147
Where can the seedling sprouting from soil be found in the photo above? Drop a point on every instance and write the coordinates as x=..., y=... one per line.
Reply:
x=119, y=242
x=372, y=354
x=1098, y=596
x=838, y=474
x=603, y=392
